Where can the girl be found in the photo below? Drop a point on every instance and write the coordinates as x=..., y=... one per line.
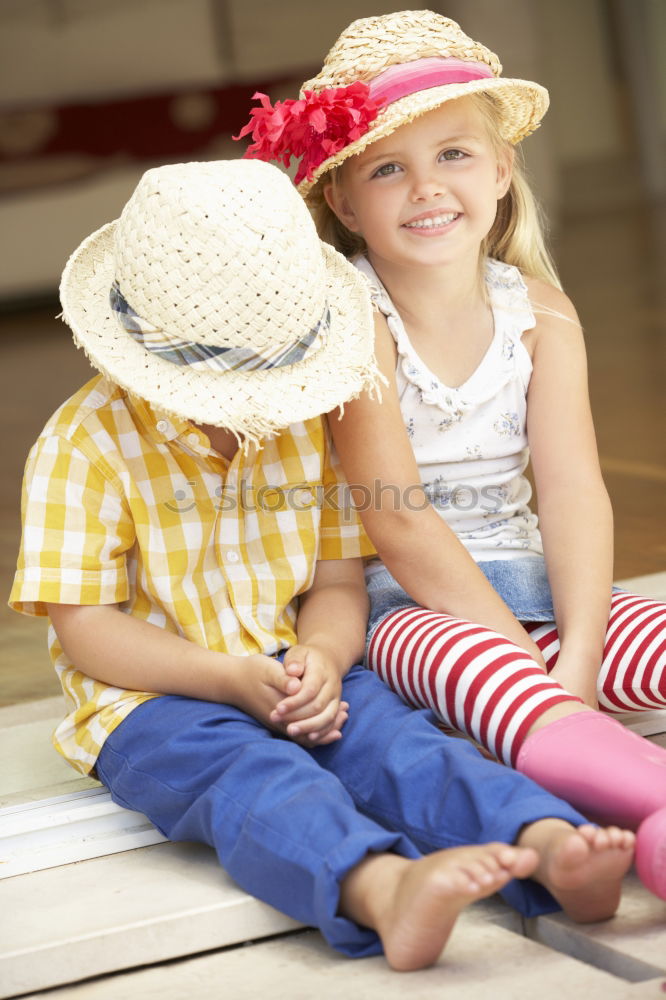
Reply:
x=406, y=140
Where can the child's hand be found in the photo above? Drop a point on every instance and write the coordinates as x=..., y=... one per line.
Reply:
x=260, y=685
x=314, y=714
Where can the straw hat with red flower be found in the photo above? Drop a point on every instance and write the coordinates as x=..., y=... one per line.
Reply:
x=382, y=73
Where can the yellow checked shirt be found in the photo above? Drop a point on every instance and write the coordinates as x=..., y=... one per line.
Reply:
x=122, y=504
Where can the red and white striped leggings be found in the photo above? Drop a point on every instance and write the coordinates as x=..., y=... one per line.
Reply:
x=484, y=686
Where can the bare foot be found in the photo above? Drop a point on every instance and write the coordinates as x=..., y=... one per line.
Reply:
x=583, y=867
x=413, y=905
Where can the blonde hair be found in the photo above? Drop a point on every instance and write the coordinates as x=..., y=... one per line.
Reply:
x=517, y=234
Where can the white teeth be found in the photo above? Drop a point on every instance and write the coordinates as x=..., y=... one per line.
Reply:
x=434, y=220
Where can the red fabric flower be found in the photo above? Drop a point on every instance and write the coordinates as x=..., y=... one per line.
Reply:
x=312, y=128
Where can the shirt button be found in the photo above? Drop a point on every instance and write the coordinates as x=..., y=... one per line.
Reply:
x=232, y=557
x=193, y=439
x=162, y=426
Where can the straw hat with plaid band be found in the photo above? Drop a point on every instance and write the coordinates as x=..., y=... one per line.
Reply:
x=213, y=298
x=382, y=73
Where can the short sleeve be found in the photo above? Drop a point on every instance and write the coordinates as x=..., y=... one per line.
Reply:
x=77, y=530
x=342, y=535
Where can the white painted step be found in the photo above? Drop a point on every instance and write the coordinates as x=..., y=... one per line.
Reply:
x=50, y=814
x=116, y=912
x=68, y=828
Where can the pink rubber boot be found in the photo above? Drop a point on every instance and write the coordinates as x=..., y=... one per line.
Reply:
x=609, y=774
x=651, y=853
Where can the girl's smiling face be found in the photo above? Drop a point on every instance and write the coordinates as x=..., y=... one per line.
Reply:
x=428, y=193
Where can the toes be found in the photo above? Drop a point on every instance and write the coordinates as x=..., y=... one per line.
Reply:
x=468, y=881
x=484, y=872
x=504, y=861
x=525, y=863
x=614, y=836
x=602, y=840
x=479, y=869
x=588, y=832
x=469, y=877
x=621, y=839
x=505, y=856
x=492, y=869
x=607, y=838
x=459, y=880
x=495, y=857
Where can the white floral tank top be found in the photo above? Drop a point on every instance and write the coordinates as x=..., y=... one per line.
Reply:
x=470, y=442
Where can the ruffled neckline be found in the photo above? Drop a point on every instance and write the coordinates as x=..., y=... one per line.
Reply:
x=512, y=316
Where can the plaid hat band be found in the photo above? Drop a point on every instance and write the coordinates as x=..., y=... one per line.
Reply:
x=200, y=356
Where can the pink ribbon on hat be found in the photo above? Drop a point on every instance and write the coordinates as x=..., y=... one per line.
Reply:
x=424, y=74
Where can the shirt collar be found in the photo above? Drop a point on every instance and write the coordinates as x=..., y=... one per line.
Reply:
x=161, y=426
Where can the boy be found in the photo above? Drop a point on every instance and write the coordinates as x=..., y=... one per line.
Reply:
x=183, y=532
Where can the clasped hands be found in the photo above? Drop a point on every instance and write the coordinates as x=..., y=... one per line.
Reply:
x=299, y=697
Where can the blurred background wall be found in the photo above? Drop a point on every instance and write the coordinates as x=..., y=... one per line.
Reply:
x=94, y=91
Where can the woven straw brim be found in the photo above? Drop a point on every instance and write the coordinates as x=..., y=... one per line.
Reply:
x=251, y=404
x=521, y=103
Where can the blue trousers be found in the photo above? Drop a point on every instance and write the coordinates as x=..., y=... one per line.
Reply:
x=289, y=823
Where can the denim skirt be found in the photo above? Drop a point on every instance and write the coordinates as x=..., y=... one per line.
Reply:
x=522, y=584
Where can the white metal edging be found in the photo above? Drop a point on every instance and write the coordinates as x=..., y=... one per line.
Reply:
x=68, y=828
